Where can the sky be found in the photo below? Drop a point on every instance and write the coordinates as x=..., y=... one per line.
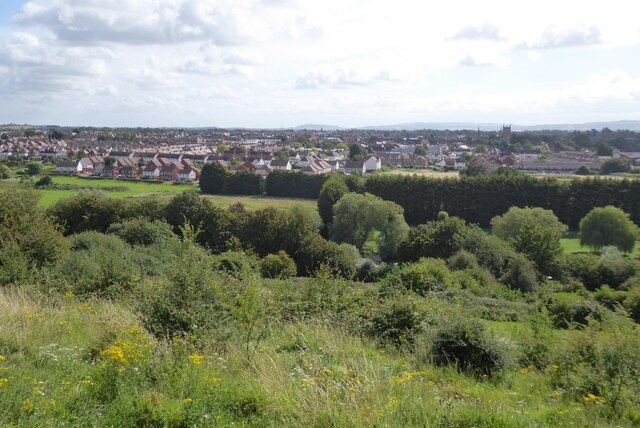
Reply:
x=283, y=63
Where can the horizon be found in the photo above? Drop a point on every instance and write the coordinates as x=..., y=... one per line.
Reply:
x=272, y=64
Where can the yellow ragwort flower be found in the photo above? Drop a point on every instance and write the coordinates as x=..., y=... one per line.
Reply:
x=196, y=359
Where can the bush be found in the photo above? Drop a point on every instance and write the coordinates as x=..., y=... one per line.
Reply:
x=277, y=266
x=609, y=297
x=520, y=275
x=426, y=276
x=462, y=260
x=632, y=303
x=567, y=309
x=608, y=226
x=235, y=263
x=466, y=345
x=316, y=252
x=393, y=321
x=439, y=239
x=44, y=182
x=142, y=232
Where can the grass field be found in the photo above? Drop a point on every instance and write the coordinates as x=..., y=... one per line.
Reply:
x=141, y=189
x=571, y=244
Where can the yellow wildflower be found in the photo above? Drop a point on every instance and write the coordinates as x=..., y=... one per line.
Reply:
x=115, y=353
x=26, y=406
x=2, y=358
x=3, y=381
x=393, y=403
x=187, y=400
x=196, y=359
x=69, y=295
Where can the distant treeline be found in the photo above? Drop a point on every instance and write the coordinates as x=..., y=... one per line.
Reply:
x=479, y=199
x=294, y=184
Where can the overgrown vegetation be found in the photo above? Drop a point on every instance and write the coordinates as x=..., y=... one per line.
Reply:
x=120, y=313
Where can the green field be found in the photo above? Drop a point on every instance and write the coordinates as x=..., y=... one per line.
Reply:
x=571, y=244
x=141, y=189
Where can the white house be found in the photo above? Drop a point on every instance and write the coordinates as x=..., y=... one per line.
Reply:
x=69, y=167
x=282, y=165
x=187, y=174
x=372, y=164
x=358, y=167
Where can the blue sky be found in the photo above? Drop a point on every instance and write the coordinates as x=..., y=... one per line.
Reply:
x=273, y=63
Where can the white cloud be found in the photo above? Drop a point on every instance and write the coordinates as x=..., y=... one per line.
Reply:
x=555, y=37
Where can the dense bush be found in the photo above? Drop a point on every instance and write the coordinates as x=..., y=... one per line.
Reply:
x=87, y=212
x=521, y=274
x=315, y=252
x=294, y=184
x=567, y=310
x=441, y=239
x=394, y=321
x=277, y=266
x=632, y=303
x=467, y=346
x=332, y=190
x=142, y=232
x=426, y=276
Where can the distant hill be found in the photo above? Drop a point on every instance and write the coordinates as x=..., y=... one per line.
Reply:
x=632, y=125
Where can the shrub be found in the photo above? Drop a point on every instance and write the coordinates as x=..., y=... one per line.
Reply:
x=466, y=345
x=277, y=266
x=426, y=276
x=142, y=232
x=315, y=252
x=235, y=263
x=567, y=309
x=520, y=275
x=462, y=260
x=609, y=297
x=393, y=321
x=632, y=303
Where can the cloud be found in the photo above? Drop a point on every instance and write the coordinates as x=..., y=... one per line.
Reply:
x=337, y=79
x=90, y=22
x=35, y=65
x=483, y=59
x=483, y=32
x=554, y=37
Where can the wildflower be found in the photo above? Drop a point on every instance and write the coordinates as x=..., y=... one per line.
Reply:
x=62, y=323
x=393, y=403
x=115, y=353
x=84, y=307
x=26, y=406
x=3, y=381
x=187, y=400
x=196, y=359
x=591, y=398
x=69, y=295
x=86, y=382
x=216, y=380
x=2, y=358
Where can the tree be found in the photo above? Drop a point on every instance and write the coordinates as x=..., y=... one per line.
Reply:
x=34, y=168
x=604, y=149
x=614, y=165
x=359, y=218
x=213, y=178
x=332, y=190
x=5, y=172
x=584, y=170
x=478, y=165
x=222, y=148
x=608, y=226
x=356, y=151
x=535, y=232
x=420, y=150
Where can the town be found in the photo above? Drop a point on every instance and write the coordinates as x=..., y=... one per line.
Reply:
x=178, y=155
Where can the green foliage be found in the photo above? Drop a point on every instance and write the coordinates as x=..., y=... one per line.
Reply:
x=467, y=346
x=422, y=278
x=608, y=226
x=87, y=212
x=5, y=172
x=356, y=151
x=214, y=179
x=567, y=310
x=462, y=260
x=277, y=266
x=332, y=190
x=28, y=238
x=140, y=231
x=535, y=232
x=632, y=303
x=357, y=217
x=479, y=199
x=294, y=184
x=521, y=274
x=440, y=239
x=584, y=170
x=237, y=264
x=613, y=166
x=34, y=168
x=394, y=321
x=44, y=182
x=609, y=297
x=100, y=265
x=477, y=166
x=316, y=252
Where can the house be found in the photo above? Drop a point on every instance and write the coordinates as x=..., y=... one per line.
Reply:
x=92, y=164
x=69, y=167
x=372, y=164
x=169, y=172
x=188, y=174
x=145, y=156
x=281, y=165
x=317, y=167
x=174, y=157
x=130, y=171
x=152, y=170
x=357, y=167
x=247, y=166
x=117, y=155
